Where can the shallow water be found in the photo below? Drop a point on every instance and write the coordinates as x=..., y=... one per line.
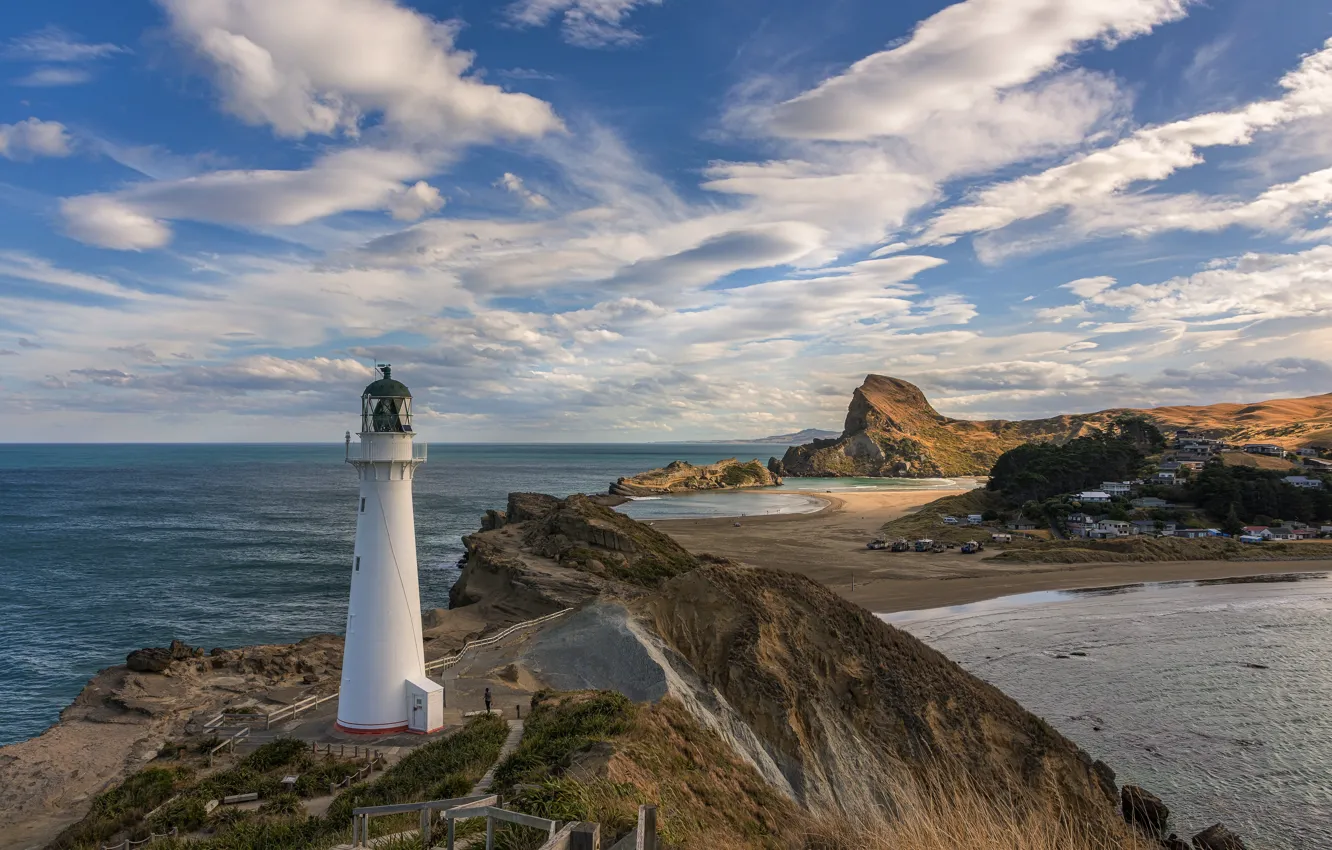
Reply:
x=1217, y=696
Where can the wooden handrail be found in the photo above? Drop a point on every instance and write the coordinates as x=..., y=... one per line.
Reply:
x=449, y=661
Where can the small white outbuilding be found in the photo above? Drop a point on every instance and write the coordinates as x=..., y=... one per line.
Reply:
x=425, y=705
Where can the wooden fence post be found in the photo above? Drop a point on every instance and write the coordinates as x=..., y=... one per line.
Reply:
x=647, y=828
x=425, y=829
x=490, y=833
x=586, y=836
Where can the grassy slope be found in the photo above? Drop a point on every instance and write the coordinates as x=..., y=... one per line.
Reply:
x=444, y=768
x=1258, y=461
x=928, y=521
x=595, y=756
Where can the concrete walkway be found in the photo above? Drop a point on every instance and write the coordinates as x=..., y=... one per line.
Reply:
x=510, y=744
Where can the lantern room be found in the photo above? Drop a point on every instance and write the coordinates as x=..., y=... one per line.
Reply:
x=386, y=405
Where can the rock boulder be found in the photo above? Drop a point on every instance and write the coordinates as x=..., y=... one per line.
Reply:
x=1217, y=837
x=1144, y=809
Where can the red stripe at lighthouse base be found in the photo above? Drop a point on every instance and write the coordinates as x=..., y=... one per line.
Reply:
x=371, y=730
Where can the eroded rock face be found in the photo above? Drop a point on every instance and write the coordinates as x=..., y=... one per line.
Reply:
x=1144, y=809
x=849, y=707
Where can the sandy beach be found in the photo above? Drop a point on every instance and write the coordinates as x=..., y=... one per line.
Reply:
x=829, y=546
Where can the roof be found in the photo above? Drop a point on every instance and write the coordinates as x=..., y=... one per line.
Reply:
x=386, y=387
x=1094, y=494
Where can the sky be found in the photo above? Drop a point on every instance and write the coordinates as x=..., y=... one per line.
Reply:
x=633, y=220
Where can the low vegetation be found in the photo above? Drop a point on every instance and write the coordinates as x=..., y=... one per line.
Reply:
x=595, y=756
x=929, y=520
x=1252, y=495
x=1142, y=548
x=448, y=767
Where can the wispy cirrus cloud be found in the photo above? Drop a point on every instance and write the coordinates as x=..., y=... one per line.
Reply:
x=584, y=23
x=64, y=59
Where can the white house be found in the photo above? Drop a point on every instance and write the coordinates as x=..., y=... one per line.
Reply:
x=1167, y=477
x=1110, y=528
x=1302, y=481
x=1307, y=452
x=1284, y=532
x=1258, y=531
x=1094, y=496
x=1115, y=488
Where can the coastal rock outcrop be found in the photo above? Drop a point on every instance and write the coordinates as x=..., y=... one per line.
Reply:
x=156, y=659
x=892, y=430
x=1144, y=809
x=681, y=476
x=1217, y=837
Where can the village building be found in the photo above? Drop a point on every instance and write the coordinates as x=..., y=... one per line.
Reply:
x=1116, y=488
x=1150, y=502
x=1094, y=496
x=1264, y=449
x=1304, y=482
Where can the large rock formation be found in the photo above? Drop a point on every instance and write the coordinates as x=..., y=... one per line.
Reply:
x=893, y=431
x=681, y=476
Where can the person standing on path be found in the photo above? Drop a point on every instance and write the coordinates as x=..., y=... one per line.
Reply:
x=487, y=699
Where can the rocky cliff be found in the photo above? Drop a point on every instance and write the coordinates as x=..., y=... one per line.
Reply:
x=892, y=431
x=680, y=477
x=835, y=708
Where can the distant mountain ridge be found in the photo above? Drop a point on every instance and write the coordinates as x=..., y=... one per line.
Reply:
x=892, y=430
x=799, y=438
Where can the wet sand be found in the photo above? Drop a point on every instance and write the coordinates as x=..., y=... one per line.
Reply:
x=829, y=547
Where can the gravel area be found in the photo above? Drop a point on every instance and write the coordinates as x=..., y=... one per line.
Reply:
x=594, y=649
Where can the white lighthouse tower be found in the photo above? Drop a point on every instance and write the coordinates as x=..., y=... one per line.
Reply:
x=384, y=686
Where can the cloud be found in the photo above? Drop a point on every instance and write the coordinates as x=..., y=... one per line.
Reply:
x=1086, y=287
x=326, y=67
x=514, y=185
x=33, y=137
x=351, y=179
x=104, y=221
x=15, y=264
x=958, y=59
x=1251, y=286
x=1149, y=154
x=584, y=23
x=53, y=44
x=51, y=77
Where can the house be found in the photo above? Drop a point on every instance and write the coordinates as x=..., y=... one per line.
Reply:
x=1264, y=449
x=1169, y=465
x=1109, y=528
x=1195, y=465
x=1094, y=496
x=1307, y=451
x=1193, y=533
x=1143, y=526
x=1258, y=531
x=1316, y=465
x=1149, y=502
x=1302, y=481
x=1023, y=525
x=1164, y=477
x=1284, y=532
x=1305, y=533
x=1116, y=488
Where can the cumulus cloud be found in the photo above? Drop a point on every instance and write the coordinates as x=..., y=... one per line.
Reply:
x=959, y=58
x=584, y=23
x=514, y=185
x=1086, y=287
x=326, y=66
x=33, y=137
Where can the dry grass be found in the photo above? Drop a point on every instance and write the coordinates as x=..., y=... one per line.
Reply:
x=951, y=814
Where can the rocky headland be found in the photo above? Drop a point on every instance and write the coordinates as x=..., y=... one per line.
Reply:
x=789, y=705
x=892, y=430
x=681, y=477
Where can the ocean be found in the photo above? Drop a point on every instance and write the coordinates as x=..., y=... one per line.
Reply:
x=108, y=548
x=1216, y=696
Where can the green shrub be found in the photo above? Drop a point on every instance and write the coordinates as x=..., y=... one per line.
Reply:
x=285, y=803
x=559, y=728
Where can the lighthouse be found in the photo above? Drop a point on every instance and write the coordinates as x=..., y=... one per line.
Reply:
x=384, y=687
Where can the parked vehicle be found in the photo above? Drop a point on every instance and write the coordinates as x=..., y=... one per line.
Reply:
x=877, y=543
x=971, y=547
x=901, y=545
x=1001, y=538
x=950, y=520
x=924, y=544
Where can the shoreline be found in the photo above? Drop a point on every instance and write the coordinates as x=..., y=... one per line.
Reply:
x=829, y=547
